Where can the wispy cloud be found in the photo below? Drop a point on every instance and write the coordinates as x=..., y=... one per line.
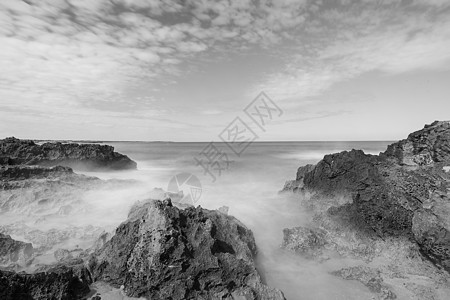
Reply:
x=350, y=40
x=106, y=60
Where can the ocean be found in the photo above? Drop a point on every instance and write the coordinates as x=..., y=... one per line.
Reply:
x=248, y=185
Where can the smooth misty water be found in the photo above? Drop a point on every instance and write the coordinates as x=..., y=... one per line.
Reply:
x=250, y=189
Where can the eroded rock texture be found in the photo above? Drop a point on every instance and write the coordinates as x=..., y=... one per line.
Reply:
x=56, y=283
x=403, y=192
x=162, y=252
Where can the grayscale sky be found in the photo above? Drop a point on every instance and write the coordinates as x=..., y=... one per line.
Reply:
x=183, y=70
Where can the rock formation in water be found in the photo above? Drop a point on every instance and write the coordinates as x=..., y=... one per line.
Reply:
x=162, y=252
x=402, y=192
x=78, y=156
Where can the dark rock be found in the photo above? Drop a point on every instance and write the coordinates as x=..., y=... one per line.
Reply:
x=11, y=173
x=12, y=251
x=392, y=194
x=78, y=156
x=60, y=282
x=163, y=252
x=295, y=185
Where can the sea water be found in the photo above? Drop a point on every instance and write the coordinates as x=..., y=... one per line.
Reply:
x=249, y=188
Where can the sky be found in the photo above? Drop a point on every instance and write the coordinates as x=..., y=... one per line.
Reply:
x=184, y=70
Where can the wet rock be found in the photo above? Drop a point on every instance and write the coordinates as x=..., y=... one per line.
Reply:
x=370, y=278
x=78, y=156
x=164, y=252
x=403, y=192
x=59, y=282
x=16, y=252
x=306, y=241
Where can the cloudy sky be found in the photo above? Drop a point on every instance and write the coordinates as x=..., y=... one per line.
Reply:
x=182, y=70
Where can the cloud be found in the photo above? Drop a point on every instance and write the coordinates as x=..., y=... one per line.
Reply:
x=109, y=59
x=345, y=42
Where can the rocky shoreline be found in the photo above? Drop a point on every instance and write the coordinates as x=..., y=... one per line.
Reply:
x=399, y=197
x=389, y=214
x=160, y=252
x=77, y=156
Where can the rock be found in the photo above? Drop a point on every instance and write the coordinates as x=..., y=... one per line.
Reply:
x=12, y=251
x=424, y=147
x=56, y=283
x=303, y=170
x=306, y=241
x=164, y=252
x=433, y=235
x=403, y=192
x=224, y=209
x=78, y=156
x=295, y=185
x=20, y=173
x=370, y=278
x=62, y=254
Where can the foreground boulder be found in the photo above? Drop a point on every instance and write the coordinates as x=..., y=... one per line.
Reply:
x=162, y=252
x=78, y=156
x=402, y=192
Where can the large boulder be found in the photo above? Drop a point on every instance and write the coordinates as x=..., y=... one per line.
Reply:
x=78, y=156
x=401, y=193
x=162, y=252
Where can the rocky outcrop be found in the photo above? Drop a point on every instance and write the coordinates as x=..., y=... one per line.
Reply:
x=162, y=252
x=424, y=147
x=78, y=156
x=61, y=282
x=401, y=193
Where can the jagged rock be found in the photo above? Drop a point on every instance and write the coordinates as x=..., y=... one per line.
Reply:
x=305, y=241
x=294, y=185
x=12, y=251
x=370, y=278
x=164, y=252
x=424, y=147
x=432, y=233
x=10, y=173
x=393, y=194
x=78, y=156
x=60, y=282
